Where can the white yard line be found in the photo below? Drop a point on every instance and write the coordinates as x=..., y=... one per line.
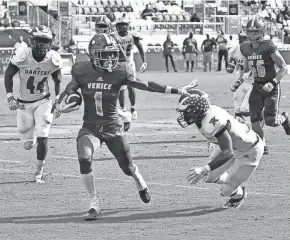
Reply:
x=150, y=183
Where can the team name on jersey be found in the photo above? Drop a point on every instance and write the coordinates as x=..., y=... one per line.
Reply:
x=37, y=72
x=105, y=86
x=255, y=57
x=123, y=42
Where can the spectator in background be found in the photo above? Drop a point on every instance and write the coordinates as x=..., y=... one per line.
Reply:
x=189, y=50
x=147, y=12
x=286, y=13
x=223, y=50
x=194, y=18
x=280, y=20
x=207, y=48
x=167, y=52
x=286, y=39
x=20, y=43
x=159, y=6
x=71, y=47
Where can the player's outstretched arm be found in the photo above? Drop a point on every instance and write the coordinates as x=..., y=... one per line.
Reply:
x=8, y=82
x=225, y=144
x=151, y=86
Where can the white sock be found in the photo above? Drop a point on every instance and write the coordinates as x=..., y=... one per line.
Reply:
x=264, y=141
x=39, y=168
x=89, y=182
x=138, y=179
x=238, y=194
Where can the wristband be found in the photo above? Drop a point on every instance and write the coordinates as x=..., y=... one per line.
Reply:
x=57, y=97
x=168, y=89
x=275, y=82
x=207, y=168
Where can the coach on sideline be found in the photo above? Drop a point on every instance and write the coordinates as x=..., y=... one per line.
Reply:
x=167, y=52
x=189, y=50
x=223, y=50
x=206, y=48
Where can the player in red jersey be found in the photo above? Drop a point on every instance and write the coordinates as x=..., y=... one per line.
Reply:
x=100, y=81
x=261, y=56
x=35, y=65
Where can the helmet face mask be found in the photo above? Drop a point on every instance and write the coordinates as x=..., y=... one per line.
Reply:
x=104, y=54
x=41, y=41
x=192, y=109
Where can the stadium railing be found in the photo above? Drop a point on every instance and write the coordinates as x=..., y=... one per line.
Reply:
x=36, y=16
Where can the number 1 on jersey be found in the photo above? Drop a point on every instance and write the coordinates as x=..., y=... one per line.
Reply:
x=99, y=103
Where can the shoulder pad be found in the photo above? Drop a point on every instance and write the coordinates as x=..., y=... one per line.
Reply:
x=214, y=121
x=136, y=34
x=55, y=58
x=20, y=55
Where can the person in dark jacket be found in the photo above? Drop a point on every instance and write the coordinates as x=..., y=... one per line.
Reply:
x=167, y=52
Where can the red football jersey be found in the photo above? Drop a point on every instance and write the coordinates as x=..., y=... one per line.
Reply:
x=260, y=60
x=100, y=90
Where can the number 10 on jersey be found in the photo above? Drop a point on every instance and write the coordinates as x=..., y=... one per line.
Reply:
x=99, y=103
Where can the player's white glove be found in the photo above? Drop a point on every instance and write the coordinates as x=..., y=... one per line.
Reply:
x=63, y=107
x=13, y=103
x=196, y=174
x=268, y=87
x=193, y=84
x=236, y=85
x=143, y=67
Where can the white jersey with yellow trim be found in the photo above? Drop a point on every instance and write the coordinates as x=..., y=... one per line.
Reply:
x=127, y=44
x=243, y=138
x=34, y=75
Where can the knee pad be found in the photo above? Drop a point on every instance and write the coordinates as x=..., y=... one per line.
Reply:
x=226, y=190
x=28, y=145
x=85, y=165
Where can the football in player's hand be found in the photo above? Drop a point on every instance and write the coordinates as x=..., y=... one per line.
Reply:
x=75, y=97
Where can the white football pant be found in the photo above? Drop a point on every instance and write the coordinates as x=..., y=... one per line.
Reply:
x=238, y=169
x=34, y=121
x=241, y=97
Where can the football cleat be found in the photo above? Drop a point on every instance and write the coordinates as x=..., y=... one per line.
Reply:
x=236, y=203
x=286, y=123
x=266, y=150
x=93, y=214
x=145, y=195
